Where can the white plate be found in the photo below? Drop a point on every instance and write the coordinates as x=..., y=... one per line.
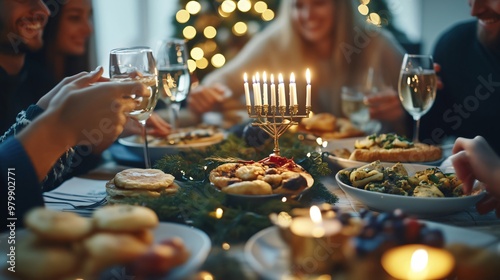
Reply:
x=267, y=254
x=196, y=241
x=419, y=206
x=348, y=144
x=156, y=152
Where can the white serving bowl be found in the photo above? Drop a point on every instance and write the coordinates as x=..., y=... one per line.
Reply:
x=418, y=206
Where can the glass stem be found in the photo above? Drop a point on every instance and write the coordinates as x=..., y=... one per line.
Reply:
x=147, y=159
x=174, y=114
x=416, y=130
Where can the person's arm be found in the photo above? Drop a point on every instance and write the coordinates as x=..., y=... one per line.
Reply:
x=20, y=185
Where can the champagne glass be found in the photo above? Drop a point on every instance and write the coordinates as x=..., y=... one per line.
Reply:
x=137, y=64
x=417, y=87
x=174, y=77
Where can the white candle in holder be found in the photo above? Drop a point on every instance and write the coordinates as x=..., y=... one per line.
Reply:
x=264, y=89
x=273, y=91
x=258, y=93
x=247, y=91
x=255, y=93
x=281, y=91
x=293, y=90
x=308, y=88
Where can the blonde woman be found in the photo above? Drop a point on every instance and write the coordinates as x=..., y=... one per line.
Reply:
x=327, y=36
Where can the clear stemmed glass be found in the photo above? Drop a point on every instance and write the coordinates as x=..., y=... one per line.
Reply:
x=417, y=87
x=137, y=64
x=174, y=78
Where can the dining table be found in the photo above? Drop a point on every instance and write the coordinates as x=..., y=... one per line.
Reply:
x=92, y=184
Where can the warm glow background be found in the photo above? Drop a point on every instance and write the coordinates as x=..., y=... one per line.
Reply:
x=122, y=23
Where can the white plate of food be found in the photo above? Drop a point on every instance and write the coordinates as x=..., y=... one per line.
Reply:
x=183, y=139
x=340, y=150
x=371, y=187
x=269, y=255
x=197, y=243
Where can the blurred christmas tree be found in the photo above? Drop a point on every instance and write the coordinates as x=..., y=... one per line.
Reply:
x=216, y=30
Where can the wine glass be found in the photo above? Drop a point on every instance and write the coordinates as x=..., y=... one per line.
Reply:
x=137, y=64
x=417, y=87
x=174, y=77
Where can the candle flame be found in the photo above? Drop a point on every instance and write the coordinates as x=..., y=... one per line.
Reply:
x=315, y=214
x=419, y=260
x=218, y=213
x=292, y=78
x=257, y=77
x=253, y=79
x=308, y=76
x=272, y=79
x=264, y=77
x=245, y=77
x=280, y=78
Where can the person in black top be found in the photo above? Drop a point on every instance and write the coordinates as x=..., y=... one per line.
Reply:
x=469, y=102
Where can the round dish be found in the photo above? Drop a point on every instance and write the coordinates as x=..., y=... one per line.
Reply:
x=133, y=144
x=418, y=206
x=348, y=143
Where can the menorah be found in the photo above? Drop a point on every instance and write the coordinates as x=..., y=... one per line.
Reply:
x=275, y=119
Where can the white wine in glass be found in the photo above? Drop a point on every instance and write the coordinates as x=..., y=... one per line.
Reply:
x=174, y=77
x=137, y=64
x=417, y=87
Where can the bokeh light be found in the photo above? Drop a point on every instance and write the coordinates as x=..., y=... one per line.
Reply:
x=193, y=7
x=197, y=53
x=240, y=28
x=202, y=63
x=182, y=16
x=363, y=9
x=191, y=65
x=218, y=60
x=268, y=15
x=260, y=7
x=210, y=32
x=374, y=18
x=189, y=32
x=228, y=6
x=209, y=46
x=222, y=13
x=244, y=5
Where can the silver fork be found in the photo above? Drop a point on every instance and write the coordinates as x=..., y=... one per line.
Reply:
x=86, y=206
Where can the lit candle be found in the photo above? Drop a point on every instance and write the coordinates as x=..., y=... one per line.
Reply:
x=293, y=91
x=417, y=261
x=247, y=91
x=314, y=225
x=258, y=93
x=308, y=238
x=281, y=91
x=308, y=88
x=273, y=91
x=255, y=94
x=264, y=89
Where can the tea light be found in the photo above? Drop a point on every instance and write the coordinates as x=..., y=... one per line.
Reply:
x=417, y=261
x=247, y=91
x=315, y=244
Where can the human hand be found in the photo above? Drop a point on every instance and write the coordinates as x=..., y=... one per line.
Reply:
x=45, y=100
x=155, y=126
x=94, y=114
x=202, y=99
x=474, y=159
x=385, y=105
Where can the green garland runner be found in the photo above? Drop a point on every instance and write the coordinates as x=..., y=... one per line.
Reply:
x=197, y=200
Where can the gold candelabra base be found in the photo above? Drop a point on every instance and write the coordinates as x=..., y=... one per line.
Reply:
x=275, y=121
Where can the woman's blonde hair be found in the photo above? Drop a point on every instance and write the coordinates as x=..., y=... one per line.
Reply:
x=349, y=36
